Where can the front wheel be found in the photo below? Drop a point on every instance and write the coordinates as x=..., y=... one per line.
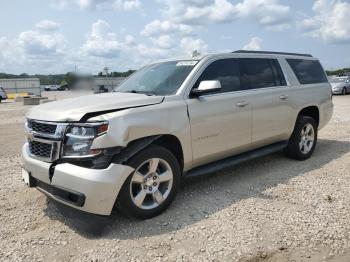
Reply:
x=343, y=92
x=150, y=189
x=303, y=141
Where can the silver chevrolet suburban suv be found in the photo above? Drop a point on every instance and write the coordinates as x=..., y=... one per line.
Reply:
x=171, y=120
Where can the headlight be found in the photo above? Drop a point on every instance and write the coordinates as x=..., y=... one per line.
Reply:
x=79, y=138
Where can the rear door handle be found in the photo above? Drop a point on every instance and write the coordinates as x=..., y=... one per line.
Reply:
x=283, y=97
x=242, y=104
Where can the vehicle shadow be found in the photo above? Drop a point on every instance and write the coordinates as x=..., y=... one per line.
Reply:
x=199, y=198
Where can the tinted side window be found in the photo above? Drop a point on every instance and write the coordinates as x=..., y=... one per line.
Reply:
x=308, y=71
x=260, y=73
x=226, y=71
x=281, y=80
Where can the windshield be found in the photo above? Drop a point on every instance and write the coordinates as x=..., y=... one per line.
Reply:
x=338, y=80
x=158, y=79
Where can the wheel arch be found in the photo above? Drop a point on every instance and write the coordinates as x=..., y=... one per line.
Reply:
x=168, y=141
x=173, y=144
x=311, y=111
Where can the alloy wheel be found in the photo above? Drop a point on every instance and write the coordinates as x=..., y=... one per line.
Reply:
x=307, y=138
x=151, y=183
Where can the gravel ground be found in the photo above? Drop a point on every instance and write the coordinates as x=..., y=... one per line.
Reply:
x=269, y=209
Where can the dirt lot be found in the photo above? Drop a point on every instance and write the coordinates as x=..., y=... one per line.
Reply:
x=269, y=209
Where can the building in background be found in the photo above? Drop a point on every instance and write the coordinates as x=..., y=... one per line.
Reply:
x=26, y=86
x=103, y=84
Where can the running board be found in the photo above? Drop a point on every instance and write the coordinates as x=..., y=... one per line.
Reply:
x=234, y=160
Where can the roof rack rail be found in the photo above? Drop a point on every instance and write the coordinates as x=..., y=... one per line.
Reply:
x=270, y=53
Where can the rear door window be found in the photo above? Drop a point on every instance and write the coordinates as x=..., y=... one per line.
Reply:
x=260, y=73
x=280, y=79
x=308, y=71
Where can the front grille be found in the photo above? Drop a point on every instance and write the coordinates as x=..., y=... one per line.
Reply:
x=41, y=127
x=45, y=139
x=40, y=149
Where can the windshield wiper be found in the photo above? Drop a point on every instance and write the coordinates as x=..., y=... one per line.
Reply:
x=148, y=93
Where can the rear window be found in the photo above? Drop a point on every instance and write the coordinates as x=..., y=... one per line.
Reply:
x=308, y=71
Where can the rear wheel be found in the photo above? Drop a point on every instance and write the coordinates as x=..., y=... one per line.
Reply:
x=150, y=189
x=343, y=92
x=303, y=141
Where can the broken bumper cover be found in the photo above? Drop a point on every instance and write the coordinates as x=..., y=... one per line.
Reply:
x=90, y=190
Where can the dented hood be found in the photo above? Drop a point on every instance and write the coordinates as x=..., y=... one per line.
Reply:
x=74, y=109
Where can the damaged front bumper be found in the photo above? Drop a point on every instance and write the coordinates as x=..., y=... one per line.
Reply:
x=90, y=190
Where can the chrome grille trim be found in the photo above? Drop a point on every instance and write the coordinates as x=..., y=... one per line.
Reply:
x=52, y=140
x=42, y=127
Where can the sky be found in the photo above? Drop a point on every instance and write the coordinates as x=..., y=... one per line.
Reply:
x=57, y=36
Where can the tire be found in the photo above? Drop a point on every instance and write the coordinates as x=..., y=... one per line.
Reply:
x=136, y=186
x=299, y=145
x=343, y=92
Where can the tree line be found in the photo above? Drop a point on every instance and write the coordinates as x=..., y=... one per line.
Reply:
x=338, y=72
x=70, y=77
x=118, y=74
x=62, y=79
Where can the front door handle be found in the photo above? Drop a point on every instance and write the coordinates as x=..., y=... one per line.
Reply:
x=242, y=104
x=283, y=97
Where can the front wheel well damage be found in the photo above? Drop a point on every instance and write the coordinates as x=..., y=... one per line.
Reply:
x=170, y=142
x=173, y=144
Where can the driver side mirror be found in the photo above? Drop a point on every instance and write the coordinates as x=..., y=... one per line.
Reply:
x=206, y=87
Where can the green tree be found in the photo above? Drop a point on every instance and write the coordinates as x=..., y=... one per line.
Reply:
x=70, y=79
x=338, y=72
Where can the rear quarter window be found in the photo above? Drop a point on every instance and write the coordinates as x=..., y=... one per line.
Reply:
x=308, y=71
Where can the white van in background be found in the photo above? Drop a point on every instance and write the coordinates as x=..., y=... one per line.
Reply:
x=53, y=88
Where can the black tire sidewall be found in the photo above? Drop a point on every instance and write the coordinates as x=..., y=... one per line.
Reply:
x=125, y=203
x=293, y=149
